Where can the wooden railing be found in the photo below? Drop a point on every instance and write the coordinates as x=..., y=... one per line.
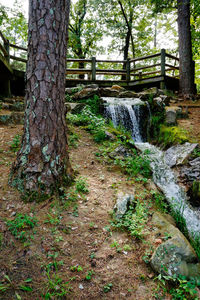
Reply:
x=159, y=64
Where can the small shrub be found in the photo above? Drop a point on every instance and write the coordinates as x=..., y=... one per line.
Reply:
x=81, y=185
x=20, y=225
x=15, y=144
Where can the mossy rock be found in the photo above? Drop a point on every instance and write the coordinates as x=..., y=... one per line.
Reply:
x=174, y=135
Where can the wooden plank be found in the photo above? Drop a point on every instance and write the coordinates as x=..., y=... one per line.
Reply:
x=18, y=47
x=117, y=71
x=172, y=56
x=111, y=61
x=78, y=71
x=93, y=68
x=79, y=60
x=18, y=58
x=3, y=37
x=145, y=67
x=144, y=57
x=147, y=80
x=172, y=67
x=3, y=50
x=5, y=62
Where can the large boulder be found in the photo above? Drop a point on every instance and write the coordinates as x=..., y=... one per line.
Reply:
x=109, y=92
x=175, y=255
x=177, y=155
x=85, y=93
x=74, y=108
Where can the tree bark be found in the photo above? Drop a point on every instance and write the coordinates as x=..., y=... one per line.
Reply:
x=42, y=162
x=187, y=87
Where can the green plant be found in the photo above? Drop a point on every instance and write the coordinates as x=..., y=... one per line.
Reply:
x=53, y=219
x=89, y=274
x=57, y=288
x=127, y=247
x=133, y=220
x=8, y=284
x=159, y=200
x=15, y=144
x=76, y=268
x=81, y=185
x=107, y=288
x=20, y=226
x=169, y=136
x=73, y=139
x=115, y=245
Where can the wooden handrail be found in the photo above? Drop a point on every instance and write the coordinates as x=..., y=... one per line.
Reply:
x=18, y=47
x=145, y=67
x=144, y=57
x=172, y=56
x=3, y=50
x=18, y=58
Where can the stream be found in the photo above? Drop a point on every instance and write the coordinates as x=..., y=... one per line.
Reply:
x=128, y=112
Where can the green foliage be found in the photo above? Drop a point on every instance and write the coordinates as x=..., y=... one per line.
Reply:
x=93, y=103
x=133, y=220
x=21, y=226
x=89, y=275
x=172, y=135
x=107, y=288
x=76, y=268
x=182, y=289
x=15, y=144
x=160, y=201
x=8, y=284
x=73, y=139
x=134, y=165
x=81, y=185
x=57, y=288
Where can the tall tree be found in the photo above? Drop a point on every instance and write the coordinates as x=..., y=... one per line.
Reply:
x=187, y=87
x=42, y=162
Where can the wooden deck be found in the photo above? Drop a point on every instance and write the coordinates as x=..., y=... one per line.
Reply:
x=160, y=70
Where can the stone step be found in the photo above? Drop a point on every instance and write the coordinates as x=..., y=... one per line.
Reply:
x=8, y=117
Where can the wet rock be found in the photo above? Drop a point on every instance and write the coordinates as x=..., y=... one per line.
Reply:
x=122, y=203
x=145, y=95
x=162, y=99
x=192, y=171
x=177, y=155
x=120, y=152
x=75, y=108
x=85, y=93
x=174, y=256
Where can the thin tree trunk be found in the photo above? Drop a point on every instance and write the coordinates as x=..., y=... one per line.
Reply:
x=187, y=88
x=42, y=162
x=126, y=48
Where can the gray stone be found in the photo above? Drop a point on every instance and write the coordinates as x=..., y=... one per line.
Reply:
x=172, y=112
x=174, y=256
x=120, y=152
x=110, y=136
x=128, y=94
x=73, y=90
x=122, y=203
x=192, y=171
x=85, y=93
x=109, y=92
x=177, y=155
x=75, y=108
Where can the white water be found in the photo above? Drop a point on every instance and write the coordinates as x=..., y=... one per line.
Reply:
x=166, y=180
x=163, y=176
x=125, y=111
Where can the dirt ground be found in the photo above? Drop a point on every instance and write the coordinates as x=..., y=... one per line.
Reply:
x=86, y=240
x=77, y=240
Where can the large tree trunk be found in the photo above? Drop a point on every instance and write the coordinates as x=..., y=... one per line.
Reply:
x=187, y=87
x=42, y=162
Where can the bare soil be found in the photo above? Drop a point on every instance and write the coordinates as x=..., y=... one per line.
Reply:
x=86, y=240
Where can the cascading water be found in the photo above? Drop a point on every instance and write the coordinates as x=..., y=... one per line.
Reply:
x=128, y=113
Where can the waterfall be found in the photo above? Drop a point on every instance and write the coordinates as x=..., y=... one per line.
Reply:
x=130, y=113
x=127, y=112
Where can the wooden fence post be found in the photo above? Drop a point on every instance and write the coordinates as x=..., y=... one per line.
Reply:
x=93, y=68
x=7, y=47
x=128, y=69
x=163, y=58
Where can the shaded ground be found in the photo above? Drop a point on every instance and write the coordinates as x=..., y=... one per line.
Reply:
x=73, y=241
x=75, y=236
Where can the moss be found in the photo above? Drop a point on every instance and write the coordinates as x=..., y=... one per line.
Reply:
x=169, y=136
